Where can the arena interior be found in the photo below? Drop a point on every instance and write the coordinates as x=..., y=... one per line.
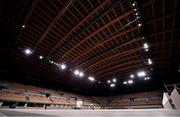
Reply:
x=94, y=58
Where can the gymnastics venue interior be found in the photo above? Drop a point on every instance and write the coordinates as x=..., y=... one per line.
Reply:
x=92, y=58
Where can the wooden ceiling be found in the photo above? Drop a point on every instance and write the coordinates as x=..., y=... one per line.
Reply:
x=100, y=37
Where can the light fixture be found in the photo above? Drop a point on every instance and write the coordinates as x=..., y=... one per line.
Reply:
x=23, y=26
x=133, y=4
x=125, y=82
x=131, y=76
x=136, y=14
x=149, y=61
x=27, y=51
x=91, y=78
x=141, y=73
x=40, y=57
x=76, y=72
x=135, y=9
x=139, y=24
x=108, y=81
x=130, y=81
x=146, y=46
x=63, y=66
x=112, y=85
x=81, y=74
x=146, y=50
x=114, y=80
x=147, y=78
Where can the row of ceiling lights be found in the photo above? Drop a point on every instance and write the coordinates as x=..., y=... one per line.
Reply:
x=136, y=13
x=62, y=66
x=140, y=74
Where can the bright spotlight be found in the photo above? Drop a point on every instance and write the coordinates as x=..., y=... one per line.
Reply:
x=76, y=72
x=114, y=80
x=23, y=26
x=81, y=74
x=135, y=9
x=136, y=14
x=130, y=81
x=63, y=66
x=40, y=57
x=149, y=61
x=112, y=85
x=108, y=81
x=146, y=46
x=141, y=74
x=91, y=78
x=133, y=4
x=139, y=24
x=147, y=50
x=148, y=78
x=131, y=76
x=27, y=51
x=125, y=82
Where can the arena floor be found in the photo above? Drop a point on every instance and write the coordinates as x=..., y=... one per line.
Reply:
x=91, y=113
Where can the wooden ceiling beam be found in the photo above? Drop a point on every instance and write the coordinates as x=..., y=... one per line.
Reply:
x=53, y=22
x=104, y=41
x=97, y=31
x=79, y=24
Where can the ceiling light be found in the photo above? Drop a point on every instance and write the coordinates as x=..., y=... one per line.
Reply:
x=131, y=76
x=139, y=24
x=141, y=74
x=133, y=4
x=147, y=78
x=81, y=74
x=76, y=72
x=135, y=9
x=23, y=26
x=27, y=51
x=114, y=80
x=146, y=46
x=130, y=81
x=136, y=14
x=91, y=78
x=125, y=82
x=40, y=57
x=146, y=50
x=112, y=85
x=63, y=66
x=108, y=81
x=149, y=61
